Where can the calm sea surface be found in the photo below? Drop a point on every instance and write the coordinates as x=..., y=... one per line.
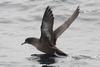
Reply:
x=20, y=19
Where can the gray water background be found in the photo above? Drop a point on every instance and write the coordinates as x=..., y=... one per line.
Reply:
x=20, y=19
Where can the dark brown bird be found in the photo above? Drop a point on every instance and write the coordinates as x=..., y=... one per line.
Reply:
x=47, y=41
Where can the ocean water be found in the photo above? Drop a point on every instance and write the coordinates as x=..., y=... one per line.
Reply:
x=20, y=19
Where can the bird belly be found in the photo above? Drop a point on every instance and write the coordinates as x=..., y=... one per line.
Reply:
x=46, y=49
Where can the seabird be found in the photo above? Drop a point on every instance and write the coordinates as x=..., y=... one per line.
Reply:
x=47, y=41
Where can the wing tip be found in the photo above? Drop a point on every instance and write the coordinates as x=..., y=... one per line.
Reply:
x=78, y=8
x=49, y=12
x=48, y=7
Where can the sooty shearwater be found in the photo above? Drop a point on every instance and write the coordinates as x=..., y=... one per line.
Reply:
x=48, y=38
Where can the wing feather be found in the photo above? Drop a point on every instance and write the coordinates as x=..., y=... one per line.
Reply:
x=66, y=24
x=47, y=26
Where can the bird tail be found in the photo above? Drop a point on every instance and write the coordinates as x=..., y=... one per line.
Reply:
x=59, y=52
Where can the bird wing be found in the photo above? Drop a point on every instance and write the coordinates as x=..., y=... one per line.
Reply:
x=66, y=24
x=47, y=34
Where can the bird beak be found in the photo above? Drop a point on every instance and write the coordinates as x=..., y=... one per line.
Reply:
x=23, y=43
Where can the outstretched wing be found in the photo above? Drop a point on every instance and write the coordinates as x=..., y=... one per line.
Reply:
x=67, y=23
x=47, y=27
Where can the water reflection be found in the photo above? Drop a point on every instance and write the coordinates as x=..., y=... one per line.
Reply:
x=46, y=60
